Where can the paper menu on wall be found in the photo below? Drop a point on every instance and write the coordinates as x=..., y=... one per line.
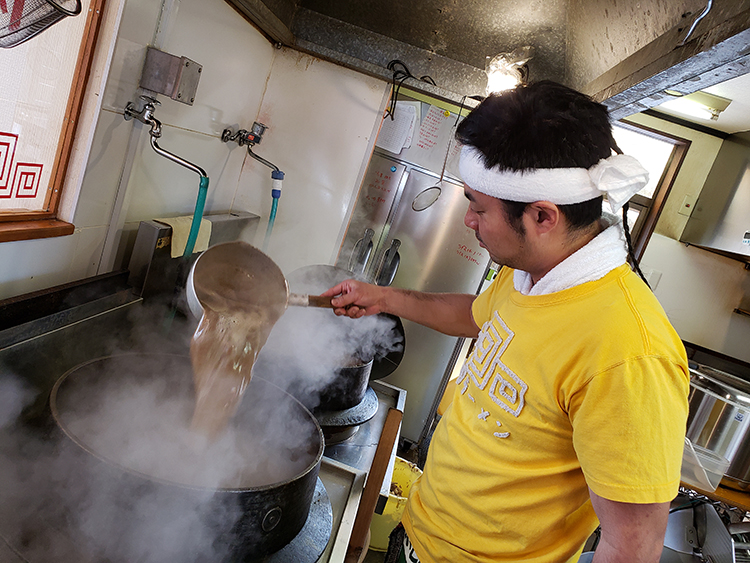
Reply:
x=397, y=133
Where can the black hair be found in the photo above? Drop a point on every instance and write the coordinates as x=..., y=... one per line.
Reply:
x=539, y=125
x=543, y=125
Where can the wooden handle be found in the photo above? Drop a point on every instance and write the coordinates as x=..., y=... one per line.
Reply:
x=372, y=489
x=301, y=300
x=319, y=301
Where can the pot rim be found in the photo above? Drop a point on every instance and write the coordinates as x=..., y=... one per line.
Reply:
x=76, y=440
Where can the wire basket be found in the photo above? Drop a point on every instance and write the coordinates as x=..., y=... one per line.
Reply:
x=20, y=20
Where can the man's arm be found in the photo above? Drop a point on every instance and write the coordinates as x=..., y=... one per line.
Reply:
x=630, y=532
x=449, y=313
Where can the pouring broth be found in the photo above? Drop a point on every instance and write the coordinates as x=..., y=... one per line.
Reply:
x=243, y=294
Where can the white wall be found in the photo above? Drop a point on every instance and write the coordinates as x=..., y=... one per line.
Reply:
x=699, y=291
x=692, y=174
x=322, y=121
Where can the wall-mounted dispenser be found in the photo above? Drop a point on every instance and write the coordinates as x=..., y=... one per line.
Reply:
x=176, y=77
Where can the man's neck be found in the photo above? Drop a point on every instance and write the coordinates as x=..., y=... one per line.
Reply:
x=572, y=243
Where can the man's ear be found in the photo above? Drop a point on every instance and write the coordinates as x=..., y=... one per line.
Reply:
x=543, y=216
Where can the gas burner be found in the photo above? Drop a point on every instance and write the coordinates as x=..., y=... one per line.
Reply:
x=341, y=425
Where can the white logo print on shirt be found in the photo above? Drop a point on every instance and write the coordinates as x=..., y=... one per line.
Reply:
x=485, y=367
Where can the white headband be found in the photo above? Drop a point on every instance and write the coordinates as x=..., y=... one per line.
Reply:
x=619, y=176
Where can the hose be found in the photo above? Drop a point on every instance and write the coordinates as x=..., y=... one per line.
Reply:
x=276, y=177
x=197, y=217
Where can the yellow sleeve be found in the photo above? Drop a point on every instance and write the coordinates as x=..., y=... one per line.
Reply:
x=629, y=429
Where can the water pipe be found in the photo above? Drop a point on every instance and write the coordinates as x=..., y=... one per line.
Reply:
x=251, y=138
x=146, y=115
x=200, y=202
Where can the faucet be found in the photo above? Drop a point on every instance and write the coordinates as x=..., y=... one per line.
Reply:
x=146, y=116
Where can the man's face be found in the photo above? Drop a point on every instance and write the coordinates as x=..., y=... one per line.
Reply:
x=486, y=216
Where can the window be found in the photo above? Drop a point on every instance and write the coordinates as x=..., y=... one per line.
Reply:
x=44, y=80
x=662, y=156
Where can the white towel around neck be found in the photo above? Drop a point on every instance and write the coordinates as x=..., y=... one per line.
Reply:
x=603, y=254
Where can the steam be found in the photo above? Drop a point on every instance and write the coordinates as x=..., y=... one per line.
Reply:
x=308, y=346
x=14, y=397
x=138, y=417
x=60, y=503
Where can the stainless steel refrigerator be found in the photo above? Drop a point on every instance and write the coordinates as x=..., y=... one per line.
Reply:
x=407, y=231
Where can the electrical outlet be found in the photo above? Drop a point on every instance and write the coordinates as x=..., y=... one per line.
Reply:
x=687, y=205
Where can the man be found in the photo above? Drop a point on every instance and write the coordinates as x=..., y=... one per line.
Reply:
x=570, y=411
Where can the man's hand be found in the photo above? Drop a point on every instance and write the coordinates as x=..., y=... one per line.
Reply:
x=356, y=299
x=449, y=313
x=631, y=533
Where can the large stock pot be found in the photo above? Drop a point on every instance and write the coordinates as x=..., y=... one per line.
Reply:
x=127, y=414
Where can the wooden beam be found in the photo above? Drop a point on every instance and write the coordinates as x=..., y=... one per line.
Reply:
x=357, y=542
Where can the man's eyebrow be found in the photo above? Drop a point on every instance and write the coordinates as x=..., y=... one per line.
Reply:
x=468, y=196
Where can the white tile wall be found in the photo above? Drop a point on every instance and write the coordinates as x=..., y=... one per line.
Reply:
x=87, y=253
x=103, y=170
x=35, y=264
x=320, y=140
x=236, y=62
x=162, y=188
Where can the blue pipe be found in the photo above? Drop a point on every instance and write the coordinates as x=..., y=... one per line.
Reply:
x=276, y=177
x=197, y=217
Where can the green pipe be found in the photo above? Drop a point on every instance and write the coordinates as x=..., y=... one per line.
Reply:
x=197, y=217
x=271, y=220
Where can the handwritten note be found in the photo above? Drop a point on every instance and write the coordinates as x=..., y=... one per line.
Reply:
x=432, y=139
x=430, y=128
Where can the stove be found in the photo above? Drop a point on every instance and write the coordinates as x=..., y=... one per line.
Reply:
x=46, y=344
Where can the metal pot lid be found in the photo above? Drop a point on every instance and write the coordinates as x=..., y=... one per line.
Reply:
x=723, y=385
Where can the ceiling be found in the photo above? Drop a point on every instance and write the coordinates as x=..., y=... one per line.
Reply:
x=622, y=52
x=466, y=31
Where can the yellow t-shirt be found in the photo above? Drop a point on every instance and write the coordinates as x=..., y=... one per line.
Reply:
x=586, y=387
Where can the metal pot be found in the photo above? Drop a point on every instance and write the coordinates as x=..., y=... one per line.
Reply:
x=268, y=505
x=347, y=389
x=719, y=420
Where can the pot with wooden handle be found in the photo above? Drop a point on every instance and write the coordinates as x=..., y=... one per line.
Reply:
x=236, y=274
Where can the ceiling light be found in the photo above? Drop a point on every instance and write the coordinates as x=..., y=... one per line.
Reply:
x=698, y=104
x=506, y=70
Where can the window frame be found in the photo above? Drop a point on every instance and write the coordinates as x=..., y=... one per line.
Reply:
x=651, y=208
x=26, y=225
